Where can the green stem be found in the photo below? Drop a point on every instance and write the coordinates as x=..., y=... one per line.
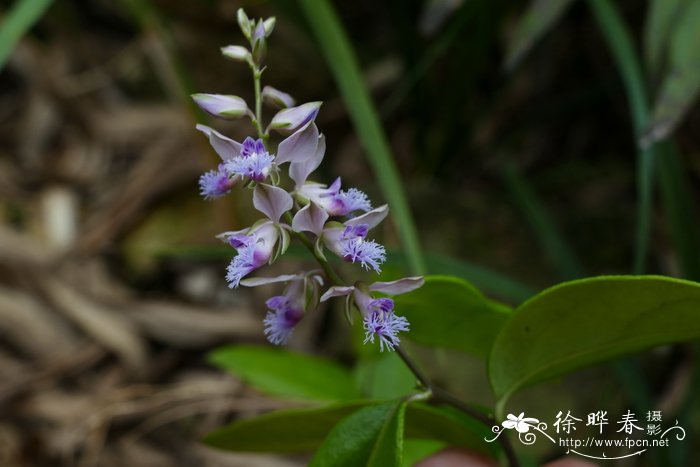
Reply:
x=440, y=395
x=257, y=75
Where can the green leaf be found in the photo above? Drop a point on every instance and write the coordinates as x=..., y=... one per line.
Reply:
x=372, y=437
x=580, y=323
x=340, y=57
x=415, y=450
x=21, y=17
x=283, y=373
x=450, y=312
x=304, y=429
x=450, y=426
x=682, y=82
x=661, y=20
x=384, y=376
x=540, y=17
x=282, y=431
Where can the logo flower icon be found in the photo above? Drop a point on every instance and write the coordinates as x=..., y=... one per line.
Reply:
x=520, y=423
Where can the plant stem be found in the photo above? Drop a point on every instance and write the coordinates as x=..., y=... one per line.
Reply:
x=257, y=75
x=441, y=395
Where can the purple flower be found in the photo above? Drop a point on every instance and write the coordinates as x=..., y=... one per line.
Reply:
x=384, y=325
x=368, y=253
x=348, y=240
x=216, y=183
x=254, y=246
x=288, y=309
x=279, y=322
x=335, y=201
x=254, y=161
x=379, y=320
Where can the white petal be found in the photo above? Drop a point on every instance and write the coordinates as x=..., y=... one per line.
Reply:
x=310, y=218
x=371, y=218
x=272, y=201
x=400, y=286
x=337, y=291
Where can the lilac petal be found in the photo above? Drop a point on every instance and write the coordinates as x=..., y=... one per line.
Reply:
x=225, y=147
x=288, y=120
x=277, y=98
x=400, y=286
x=300, y=171
x=371, y=218
x=258, y=281
x=226, y=236
x=310, y=218
x=337, y=291
x=272, y=201
x=299, y=146
x=368, y=253
x=226, y=107
x=385, y=326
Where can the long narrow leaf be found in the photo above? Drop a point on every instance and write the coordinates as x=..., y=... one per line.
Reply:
x=619, y=41
x=340, y=57
x=18, y=21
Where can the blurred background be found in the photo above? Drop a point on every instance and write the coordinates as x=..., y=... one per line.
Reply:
x=516, y=146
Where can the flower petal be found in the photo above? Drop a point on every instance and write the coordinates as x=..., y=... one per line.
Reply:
x=371, y=218
x=310, y=218
x=225, y=147
x=400, y=286
x=288, y=120
x=277, y=98
x=257, y=281
x=337, y=291
x=272, y=201
x=299, y=146
x=300, y=171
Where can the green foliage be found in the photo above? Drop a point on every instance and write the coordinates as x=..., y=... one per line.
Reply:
x=304, y=429
x=287, y=374
x=579, y=323
x=23, y=15
x=448, y=425
x=450, y=312
x=282, y=431
x=681, y=83
x=384, y=376
x=415, y=450
x=662, y=17
x=372, y=436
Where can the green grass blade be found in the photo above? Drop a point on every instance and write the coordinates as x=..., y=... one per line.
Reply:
x=620, y=42
x=674, y=185
x=17, y=22
x=558, y=251
x=339, y=55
